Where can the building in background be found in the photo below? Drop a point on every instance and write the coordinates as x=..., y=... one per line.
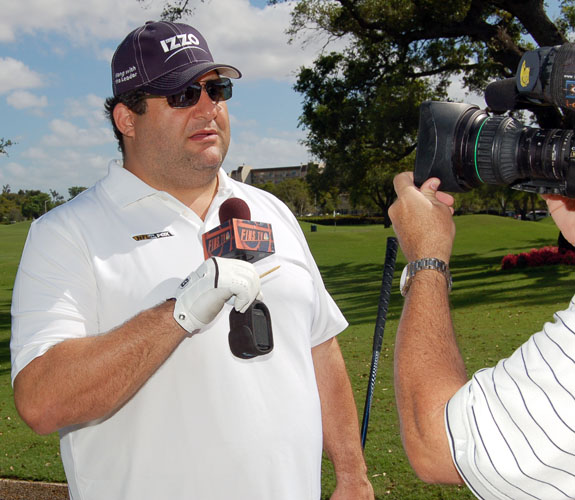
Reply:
x=275, y=175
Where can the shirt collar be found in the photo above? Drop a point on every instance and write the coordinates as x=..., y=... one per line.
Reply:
x=126, y=188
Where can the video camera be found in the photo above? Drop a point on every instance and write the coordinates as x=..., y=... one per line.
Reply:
x=465, y=146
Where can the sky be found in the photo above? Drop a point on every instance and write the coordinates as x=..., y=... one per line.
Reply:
x=55, y=75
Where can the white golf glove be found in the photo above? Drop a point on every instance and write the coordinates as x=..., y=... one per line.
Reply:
x=204, y=292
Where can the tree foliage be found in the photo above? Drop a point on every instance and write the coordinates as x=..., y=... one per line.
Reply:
x=295, y=193
x=361, y=105
x=5, y=143
x=75, y=191
x=26, y=204
x=173, y=11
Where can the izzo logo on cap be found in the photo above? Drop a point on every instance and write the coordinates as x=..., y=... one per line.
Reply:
x=179, y=42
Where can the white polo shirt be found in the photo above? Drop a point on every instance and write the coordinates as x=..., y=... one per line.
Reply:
x=512, y=427
x=206, y=425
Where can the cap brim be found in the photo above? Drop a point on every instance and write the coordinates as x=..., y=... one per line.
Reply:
x=176, y=81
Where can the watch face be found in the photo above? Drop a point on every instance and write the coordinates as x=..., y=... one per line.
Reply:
x=403, y=280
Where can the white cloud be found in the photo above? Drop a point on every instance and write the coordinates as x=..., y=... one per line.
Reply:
x=254, y=39
x=82, y=22
x=35, y=153
x=65, y=133
x=22, y=99
x=251, y=38
x=89, y=107
x=16, y=75
x=277, y=150
x=59, y=172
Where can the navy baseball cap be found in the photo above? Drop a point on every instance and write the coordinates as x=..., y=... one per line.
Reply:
x=162, y=58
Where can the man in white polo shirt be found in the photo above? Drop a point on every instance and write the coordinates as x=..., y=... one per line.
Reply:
x=129, y=360
x=509, y=432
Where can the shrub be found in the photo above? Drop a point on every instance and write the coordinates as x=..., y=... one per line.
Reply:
x=545, y=256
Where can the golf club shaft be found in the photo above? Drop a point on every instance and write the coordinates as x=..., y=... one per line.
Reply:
x=386, y=283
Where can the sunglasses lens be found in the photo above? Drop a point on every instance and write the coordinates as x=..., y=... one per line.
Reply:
x=218, y=90
x=186, y=98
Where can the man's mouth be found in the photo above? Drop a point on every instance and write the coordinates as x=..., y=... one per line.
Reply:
x=204, y=134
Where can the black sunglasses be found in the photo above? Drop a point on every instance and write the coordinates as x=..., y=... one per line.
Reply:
x=217, y=90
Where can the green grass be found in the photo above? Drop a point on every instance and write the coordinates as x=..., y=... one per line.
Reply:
x=493, y=311
x=23, y=454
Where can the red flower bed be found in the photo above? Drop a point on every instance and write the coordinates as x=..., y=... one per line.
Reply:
x=545, y=256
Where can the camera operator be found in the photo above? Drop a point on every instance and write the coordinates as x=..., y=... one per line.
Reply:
x=509, y=432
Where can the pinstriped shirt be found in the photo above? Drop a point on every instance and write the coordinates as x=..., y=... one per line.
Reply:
x=512, y=426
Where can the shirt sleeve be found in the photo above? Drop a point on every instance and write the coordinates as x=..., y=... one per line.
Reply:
x=511, y=427
x=54, y=293
x=329, y=321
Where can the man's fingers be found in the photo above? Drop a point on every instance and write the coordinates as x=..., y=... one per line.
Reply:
x=430, y=187
x=402, y=181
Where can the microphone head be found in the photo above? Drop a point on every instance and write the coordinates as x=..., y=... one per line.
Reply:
x=238, y=237
x=234, y=208
x=502, y=95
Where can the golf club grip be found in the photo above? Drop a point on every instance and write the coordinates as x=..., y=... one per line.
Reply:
x=386, y=283
x=385, y=293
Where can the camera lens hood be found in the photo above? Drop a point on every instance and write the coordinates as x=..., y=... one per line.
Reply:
x=436, y=144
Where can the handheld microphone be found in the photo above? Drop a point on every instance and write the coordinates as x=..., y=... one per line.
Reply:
x=238, y=237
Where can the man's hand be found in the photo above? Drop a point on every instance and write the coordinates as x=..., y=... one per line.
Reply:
x=563, y=212
x=204, y=292
x=422, y=218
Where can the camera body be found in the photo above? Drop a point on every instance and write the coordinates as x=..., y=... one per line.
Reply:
x=466, y=146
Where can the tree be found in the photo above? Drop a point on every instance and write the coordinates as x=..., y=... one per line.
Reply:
x=294, y=193
x=361, y=105
x=57, y=198
x=75, y=191
x=5, y=143
x=35, y=204
x=174, y=11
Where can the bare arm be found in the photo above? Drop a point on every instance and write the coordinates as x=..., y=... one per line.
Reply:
x=340, y=424
x=429, y=368
x=79, y=380
x=563, y=212
x=83, y=379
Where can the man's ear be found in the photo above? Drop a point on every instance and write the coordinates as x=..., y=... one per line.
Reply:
x=124, y=119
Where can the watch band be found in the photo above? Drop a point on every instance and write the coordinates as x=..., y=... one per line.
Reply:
x=414, y=267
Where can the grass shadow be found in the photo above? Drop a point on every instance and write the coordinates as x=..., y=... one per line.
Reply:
x=5, y=326
x=478, y=281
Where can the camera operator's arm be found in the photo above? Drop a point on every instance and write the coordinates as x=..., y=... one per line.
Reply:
x=563, y=212
x=428, y=365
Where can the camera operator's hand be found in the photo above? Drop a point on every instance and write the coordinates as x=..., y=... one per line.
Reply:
x=422, y=218
x=562, y=210
x=204, y=292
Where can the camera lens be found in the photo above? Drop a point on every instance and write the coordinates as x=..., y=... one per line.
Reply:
x=465, y=147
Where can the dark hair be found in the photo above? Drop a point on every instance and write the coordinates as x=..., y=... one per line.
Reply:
x=134, y=100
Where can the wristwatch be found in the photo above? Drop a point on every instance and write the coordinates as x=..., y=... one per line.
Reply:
x=412, y=268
